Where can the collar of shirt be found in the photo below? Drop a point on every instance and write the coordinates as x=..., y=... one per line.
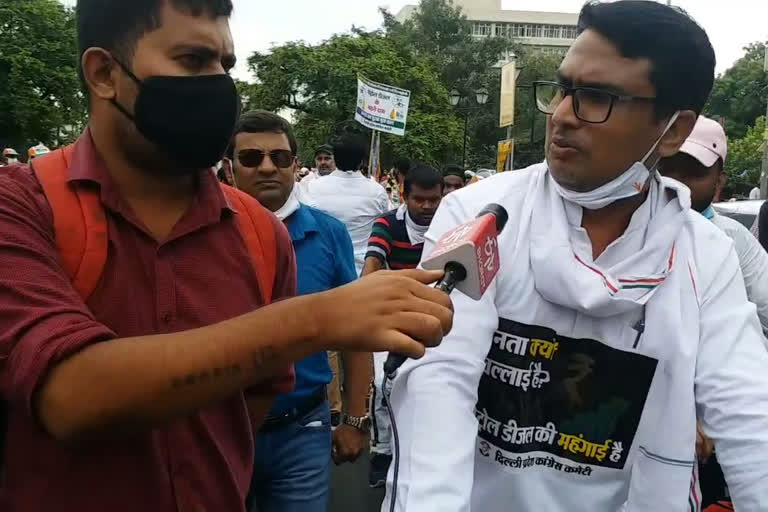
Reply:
x=301, y=223
x=348, y=174
x=88, y=165
x=620, y=248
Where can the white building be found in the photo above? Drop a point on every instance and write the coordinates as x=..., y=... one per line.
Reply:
x=552, y=32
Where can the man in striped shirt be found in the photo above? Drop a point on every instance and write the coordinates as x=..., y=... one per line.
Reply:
x=396, y=242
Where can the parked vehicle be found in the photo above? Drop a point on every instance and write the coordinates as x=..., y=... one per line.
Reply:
x=744, y=212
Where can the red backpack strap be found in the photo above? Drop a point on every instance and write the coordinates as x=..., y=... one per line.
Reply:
x=79, y=222
x=258, y=231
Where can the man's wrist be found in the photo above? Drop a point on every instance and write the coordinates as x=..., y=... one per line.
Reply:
x=357, y=411
x=360, y=423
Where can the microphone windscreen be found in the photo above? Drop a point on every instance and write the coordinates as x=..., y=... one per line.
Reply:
x=497, y=211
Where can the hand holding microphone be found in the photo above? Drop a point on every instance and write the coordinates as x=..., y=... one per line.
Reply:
x=387, y=311
x=469, y=254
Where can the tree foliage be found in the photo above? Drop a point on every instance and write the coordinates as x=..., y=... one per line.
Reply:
x=320, y=84
x=745, y=155
x=40, y=98
x=740, y=94
x=441, y=34
x=430, y=54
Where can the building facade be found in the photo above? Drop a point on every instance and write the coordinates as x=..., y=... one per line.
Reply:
x=550, y=32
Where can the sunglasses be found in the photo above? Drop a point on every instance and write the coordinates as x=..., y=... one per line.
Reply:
x=253, y=158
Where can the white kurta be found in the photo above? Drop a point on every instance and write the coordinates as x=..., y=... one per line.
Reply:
x=582, y=413
x=753, y=261
x=353, y=199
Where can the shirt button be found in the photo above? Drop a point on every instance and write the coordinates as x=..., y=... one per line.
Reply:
x=167, y=318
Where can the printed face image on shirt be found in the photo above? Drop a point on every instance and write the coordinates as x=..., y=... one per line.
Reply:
x=564, y=399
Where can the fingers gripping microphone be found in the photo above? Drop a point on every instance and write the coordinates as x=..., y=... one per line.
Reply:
x=469, y=254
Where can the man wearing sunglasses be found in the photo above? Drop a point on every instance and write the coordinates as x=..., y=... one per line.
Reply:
x=130, y=392
x=618, y=316
x=296, y=436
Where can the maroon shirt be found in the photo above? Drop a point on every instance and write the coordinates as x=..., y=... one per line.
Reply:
x=201, y=275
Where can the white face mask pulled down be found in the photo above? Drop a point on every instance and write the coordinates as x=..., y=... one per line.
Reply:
x=291, y=205
x=629, y=184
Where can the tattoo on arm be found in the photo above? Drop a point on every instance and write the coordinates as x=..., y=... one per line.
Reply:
x=262, y=360
x=213, y=374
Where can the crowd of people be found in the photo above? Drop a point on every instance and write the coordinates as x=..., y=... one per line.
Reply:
x=193, y=320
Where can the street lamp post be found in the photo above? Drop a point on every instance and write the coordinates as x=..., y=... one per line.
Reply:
x=481, y=97
x=764, y=167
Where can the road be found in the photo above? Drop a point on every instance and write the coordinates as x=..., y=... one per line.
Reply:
x=350, y=491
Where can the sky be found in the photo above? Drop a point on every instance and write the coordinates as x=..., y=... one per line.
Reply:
x=257, y=25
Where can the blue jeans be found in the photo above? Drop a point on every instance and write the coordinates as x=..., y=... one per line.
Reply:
x=292, y=470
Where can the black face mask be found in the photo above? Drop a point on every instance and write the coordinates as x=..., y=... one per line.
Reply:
x=191, y=118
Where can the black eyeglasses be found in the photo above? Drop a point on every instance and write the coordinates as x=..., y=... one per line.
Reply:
x=253, y=158
x=589, y=104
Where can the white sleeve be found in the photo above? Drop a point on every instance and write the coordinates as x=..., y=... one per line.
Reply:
x=754, y=266
x=731, y=386
x=434, y=400
x=385, y=204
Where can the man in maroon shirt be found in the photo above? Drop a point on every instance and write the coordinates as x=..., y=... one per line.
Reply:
x=133, y=400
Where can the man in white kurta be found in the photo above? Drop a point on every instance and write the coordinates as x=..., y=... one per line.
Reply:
x=618, y=317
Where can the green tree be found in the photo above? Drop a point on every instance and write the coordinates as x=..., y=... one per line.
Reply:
x=439, y=32
x=320, y=84
x=745, y=155
x=40, y=98
x=740, y=94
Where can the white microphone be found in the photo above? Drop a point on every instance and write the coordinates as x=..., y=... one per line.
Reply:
x=469, y=254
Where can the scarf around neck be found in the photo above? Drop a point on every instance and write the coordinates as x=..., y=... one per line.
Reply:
x=416, y=231
x=608, y=286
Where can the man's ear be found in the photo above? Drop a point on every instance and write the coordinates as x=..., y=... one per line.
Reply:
x=677, y=133
x=229, y=171
x=98, y=71
x=722, y=179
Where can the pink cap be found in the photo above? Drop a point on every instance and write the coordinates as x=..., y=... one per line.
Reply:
x=707, y=142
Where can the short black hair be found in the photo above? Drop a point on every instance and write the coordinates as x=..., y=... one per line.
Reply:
x=423, y=176
x=350, y=152
x=681, y=55
x=402, y=165
x=454, y=170
x=261, y=121
x=117, y=25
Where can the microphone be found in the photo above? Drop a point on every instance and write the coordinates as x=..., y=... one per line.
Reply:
x=469, y=254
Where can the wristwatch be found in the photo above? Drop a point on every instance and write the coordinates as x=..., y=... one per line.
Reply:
x=361, y=423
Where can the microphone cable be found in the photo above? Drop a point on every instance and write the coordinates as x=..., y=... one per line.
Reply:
x=454, y=274
x=389, y=378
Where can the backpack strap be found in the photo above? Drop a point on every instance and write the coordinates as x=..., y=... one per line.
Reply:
x=258, y=231
x=79, y=222
x=80, y=226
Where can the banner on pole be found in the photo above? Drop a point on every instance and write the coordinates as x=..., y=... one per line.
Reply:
x=509, y=74
x=506, y=155
x=374, y=159
x=382, y=107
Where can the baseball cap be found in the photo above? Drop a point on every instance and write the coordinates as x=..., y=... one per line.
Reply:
x=39, y=150
x=707, y=142
x=10, y=152
x=325, y=149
